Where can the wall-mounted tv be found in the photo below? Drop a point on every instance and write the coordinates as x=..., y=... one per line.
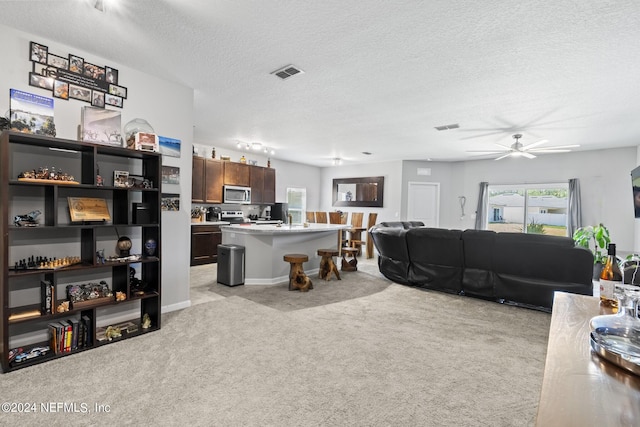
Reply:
x=635, y=182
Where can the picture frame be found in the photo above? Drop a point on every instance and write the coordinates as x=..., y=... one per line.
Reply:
x=38, y=52
x=170, y=175
x=76, y=64
x=169, y=146
x=112, y=100
x=43, y=82
x=60, y=89
x=111, y=76
x=44, y=70
x=170, y=202
x=93, y=71
x=88, y=209
x=116, y=90
x=58, y=61
x=97, y=98
x=121, y=179
x=79, y=93
x=101, y=126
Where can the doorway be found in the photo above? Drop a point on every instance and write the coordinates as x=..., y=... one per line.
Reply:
x=423, y=203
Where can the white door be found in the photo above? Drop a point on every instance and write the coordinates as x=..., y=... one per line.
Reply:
x=423, y=203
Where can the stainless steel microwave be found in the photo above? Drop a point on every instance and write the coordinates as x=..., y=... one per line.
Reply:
x=234, y=194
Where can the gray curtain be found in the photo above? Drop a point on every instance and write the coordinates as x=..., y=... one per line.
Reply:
x=481, y=212
x=574, y=220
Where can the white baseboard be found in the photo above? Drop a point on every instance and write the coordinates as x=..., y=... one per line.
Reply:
x=176, y=307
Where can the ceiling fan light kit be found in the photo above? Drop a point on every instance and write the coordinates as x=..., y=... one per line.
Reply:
x=518, y=150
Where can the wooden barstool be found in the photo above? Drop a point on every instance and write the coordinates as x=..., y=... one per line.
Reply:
x=327, y=266
x=297, y=278
x=352, y=264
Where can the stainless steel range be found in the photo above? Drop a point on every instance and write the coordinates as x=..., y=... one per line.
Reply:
x=234, y=217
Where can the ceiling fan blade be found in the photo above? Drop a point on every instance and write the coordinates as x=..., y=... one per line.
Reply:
x=559, y=147
x=485, y=151
x=527, y=155
x=535, y=144
x=550, y=150
x=502, y=157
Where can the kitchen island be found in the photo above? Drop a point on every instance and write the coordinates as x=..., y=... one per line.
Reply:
x=266, y=244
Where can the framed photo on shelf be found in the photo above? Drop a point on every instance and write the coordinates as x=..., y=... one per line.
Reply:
x=121, y=179
x=88, y=209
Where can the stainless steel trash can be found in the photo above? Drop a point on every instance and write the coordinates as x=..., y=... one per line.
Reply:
x=231, y=265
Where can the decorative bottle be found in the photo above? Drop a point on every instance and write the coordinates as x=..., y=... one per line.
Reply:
x=213, y=153
x=243, y=159
x=609, y=278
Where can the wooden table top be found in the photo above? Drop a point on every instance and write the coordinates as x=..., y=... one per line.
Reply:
x=579, y=388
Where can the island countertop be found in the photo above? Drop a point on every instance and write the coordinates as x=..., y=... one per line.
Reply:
x=248, y=228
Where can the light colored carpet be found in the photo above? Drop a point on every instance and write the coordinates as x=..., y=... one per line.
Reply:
x=394, y=357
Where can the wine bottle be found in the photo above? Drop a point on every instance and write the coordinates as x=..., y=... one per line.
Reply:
x=609, y=278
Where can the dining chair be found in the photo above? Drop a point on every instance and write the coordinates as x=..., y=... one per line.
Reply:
x=335, y=217
x=355, y=232
x=321, y=217
x=311, y=217
x=371, y=221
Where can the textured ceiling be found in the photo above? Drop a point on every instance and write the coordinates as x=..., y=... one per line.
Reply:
x=379, y=74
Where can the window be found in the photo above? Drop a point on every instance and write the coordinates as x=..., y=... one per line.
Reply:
x=297, y=200
x=531, y=208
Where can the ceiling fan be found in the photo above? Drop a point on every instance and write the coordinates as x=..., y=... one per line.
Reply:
x=518, y=150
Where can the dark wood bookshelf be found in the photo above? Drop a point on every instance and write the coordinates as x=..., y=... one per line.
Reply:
x=55, y=231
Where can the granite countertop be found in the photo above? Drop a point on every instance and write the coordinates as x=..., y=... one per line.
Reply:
x=211, y=223
x=284, y=229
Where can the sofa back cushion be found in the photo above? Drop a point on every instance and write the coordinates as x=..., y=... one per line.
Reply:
x=478, y=249
x=393, y=257
x=530, y=267
x=436, y=258
x=402, y=224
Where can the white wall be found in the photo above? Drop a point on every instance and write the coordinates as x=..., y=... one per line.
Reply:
x=167, y=106
x=392, y=197
x=604, y=175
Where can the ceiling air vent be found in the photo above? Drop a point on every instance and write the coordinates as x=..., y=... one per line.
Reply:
x=286, y=72
x=447, y=127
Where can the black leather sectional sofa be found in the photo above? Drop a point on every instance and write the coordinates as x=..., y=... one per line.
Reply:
x=517, y=268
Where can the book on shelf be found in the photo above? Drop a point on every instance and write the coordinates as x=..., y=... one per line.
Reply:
x=88, y=330
x=101, y=126
x=47, y=297
x=31, y=113
x=74, y=334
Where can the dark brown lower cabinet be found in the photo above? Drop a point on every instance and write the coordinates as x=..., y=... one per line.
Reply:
x=204, y=244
